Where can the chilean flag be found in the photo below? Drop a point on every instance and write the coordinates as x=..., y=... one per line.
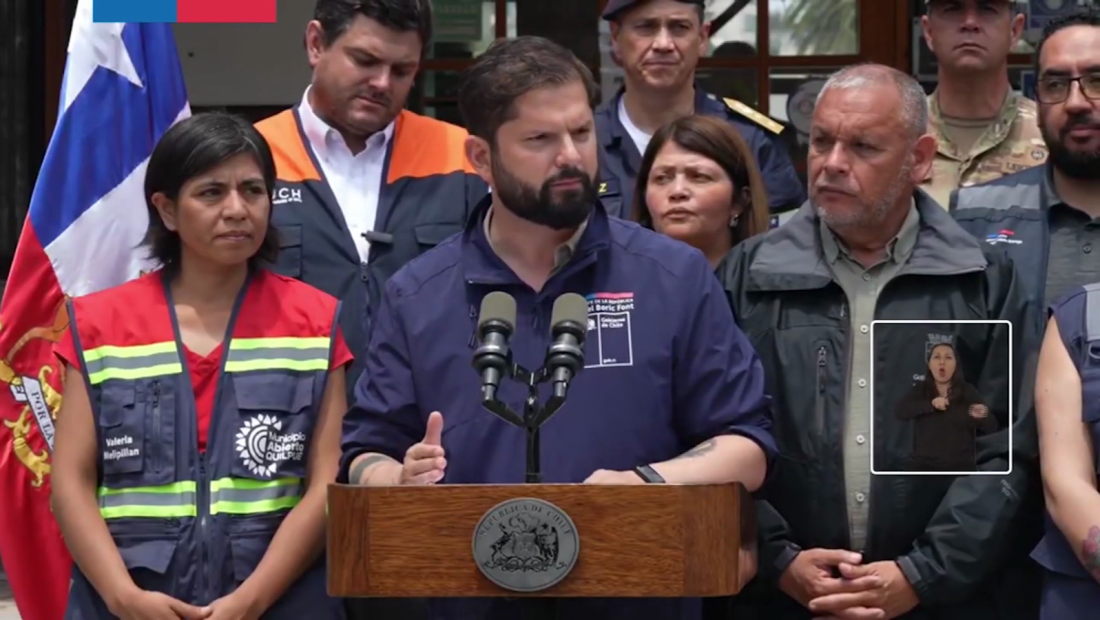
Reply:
x=123, y=88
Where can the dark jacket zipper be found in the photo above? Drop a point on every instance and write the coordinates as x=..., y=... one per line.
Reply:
x=819, y=410
x=158, y=449
x=204, y=508
x=474, y=341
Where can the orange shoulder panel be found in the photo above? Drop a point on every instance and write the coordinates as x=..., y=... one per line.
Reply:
x=292, y=161
x=426, y=147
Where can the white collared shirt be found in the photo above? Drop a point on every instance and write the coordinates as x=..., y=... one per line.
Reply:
x=637, y=136
x=356, y=180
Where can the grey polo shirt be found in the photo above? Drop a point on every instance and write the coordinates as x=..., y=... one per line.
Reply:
x=862, y=287
x=1073, y=258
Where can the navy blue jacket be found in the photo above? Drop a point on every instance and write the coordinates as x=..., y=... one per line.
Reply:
x=666, y=369
x=620, y=159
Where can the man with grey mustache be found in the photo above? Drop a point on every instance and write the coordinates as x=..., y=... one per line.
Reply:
x=835, y=540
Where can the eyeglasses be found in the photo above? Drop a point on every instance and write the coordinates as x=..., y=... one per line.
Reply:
x=1056, y=88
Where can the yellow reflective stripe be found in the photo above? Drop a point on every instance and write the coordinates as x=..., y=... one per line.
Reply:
x=164, y=501
x=159, y=370
x=276, y=364
x=140, y=350
x=243, y=496
x=286, y=353
x=129, y=363
x=320, y=342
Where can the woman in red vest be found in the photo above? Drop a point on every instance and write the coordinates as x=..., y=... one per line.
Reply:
x=203, y=402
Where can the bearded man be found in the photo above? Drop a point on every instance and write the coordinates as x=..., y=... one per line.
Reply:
x=670, y=391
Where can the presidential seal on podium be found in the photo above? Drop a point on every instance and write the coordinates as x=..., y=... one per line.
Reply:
x=525, y=545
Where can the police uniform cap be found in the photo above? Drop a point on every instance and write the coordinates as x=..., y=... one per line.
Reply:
x=614, y=7
x=1008, y=2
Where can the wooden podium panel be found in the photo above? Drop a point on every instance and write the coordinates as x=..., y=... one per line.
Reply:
x=653, y=540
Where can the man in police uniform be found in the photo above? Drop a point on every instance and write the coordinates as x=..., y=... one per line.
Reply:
x=658, y=43
x=985, y=130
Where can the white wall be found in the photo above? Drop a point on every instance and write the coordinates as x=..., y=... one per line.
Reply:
x=247, y=64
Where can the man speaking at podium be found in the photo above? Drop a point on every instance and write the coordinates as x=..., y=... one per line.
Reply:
x=670, y=389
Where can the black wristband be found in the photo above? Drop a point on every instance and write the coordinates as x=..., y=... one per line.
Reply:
x=649, y=474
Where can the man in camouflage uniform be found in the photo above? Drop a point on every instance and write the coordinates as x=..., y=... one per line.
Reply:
x=985, y=130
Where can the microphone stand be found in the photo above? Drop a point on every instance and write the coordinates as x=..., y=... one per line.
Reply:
x=534, y=414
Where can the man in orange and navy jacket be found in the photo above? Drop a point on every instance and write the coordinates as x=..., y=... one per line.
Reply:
x=364, y=186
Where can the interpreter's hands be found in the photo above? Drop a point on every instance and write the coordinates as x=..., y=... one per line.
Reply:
x=145, y=605
x=978, y=411
x=607, y=476
x=235, y=606
x=892, y=598
x=940, y=403
x=810, y=575
x=425, y=462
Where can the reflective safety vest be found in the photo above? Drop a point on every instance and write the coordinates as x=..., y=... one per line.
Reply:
x=1070, y=592
x=191, y=525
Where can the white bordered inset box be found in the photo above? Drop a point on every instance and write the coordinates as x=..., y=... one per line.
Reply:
x=942, y=388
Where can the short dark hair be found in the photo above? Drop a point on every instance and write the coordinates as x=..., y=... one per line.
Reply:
x=509, y=69
x=188, y=149
x=401, y=15
x=1082, y=17
x=721, y=143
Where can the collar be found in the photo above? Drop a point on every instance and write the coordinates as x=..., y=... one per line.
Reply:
x=898, y=250
x=323, y=137
x=994, y=134
x=562, y=254
x=792, y=257
x=704, y=104
x=1049, y=193
x=481, y=265
x=609, y=110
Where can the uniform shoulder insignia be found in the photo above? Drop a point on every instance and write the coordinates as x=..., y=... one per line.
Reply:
x=753, y=115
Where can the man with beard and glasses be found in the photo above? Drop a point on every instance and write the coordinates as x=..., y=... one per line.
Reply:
x=1048, y=217
x=983, y=129
x=671, y=390
x=836, y=541
x=364, y=185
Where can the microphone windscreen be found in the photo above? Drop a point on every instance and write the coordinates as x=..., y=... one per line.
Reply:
x=570, y=307
x=498, y=306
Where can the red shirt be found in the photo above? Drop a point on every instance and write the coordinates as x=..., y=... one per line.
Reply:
x=204, y=375
x=204, y=380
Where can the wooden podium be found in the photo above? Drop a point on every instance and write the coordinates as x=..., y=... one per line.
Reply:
x=650, y=540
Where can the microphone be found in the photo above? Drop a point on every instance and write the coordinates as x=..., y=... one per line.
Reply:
x=495, y=326
x=568, y=327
